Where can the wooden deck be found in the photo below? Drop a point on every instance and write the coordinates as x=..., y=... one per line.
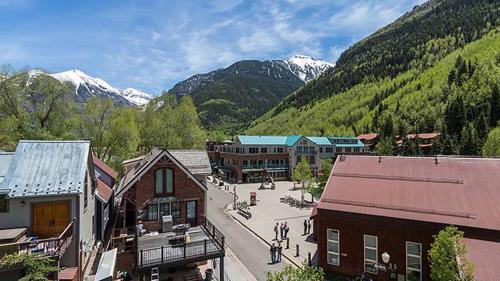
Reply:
x=162, y=249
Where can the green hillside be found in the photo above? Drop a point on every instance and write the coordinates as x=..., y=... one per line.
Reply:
x=453, y=74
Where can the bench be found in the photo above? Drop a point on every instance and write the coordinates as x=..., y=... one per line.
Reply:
x=246, y=214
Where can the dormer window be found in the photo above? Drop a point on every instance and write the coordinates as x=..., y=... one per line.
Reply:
x=164, y=182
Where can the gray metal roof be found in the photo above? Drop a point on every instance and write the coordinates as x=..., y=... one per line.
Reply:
x=5, y=159
x=41, y=168
x=196, y=161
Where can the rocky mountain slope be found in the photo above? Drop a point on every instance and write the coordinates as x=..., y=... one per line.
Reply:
x=230, y=97
x=87, y=86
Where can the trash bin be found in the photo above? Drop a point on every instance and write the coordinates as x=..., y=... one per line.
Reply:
x=253, y=198
x=209, y=273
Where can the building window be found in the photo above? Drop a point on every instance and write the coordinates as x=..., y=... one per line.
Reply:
x=86, y=191
x=371, y=253
x=338, y=149
x=164, y=182
x=176, y=210
x=413, y=261
x=320, y=150
x=153, y=212
x=347, y=149
x=279, y=150
x=333, y=247
x=299, y=149
x=253, y=150
x=356, y=149
x=3, y=204
x=329, y=150
x=164, y=209
x=263, y=150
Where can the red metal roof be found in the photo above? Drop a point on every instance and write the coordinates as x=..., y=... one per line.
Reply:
x=103, y=166
x=455, y=191
x=485, y=255
x=103, y=190
x=369, y=136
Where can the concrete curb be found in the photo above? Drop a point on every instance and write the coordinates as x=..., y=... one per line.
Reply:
x=261, y=238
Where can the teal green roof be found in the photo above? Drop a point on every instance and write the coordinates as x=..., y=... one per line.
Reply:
x=358, y=144
x=291, y=140
x=263, y=140
x=320, y=140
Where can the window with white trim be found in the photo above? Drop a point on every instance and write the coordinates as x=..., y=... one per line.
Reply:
x=371, y=253
x=333, y=247
x=413, y=261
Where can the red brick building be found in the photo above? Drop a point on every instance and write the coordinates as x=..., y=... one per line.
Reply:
x=373, y=205
x=166, y=185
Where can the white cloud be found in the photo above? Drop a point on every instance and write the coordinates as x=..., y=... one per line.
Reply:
x=362, y=18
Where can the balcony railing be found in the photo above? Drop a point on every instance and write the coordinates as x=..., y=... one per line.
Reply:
x=54, y=247
x=264, y=167
x=182, y=253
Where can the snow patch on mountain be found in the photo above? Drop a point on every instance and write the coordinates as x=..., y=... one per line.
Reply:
x=87, y=86
x=81, y=79
x=136, y=97
x=307, y=68
x=32, y=74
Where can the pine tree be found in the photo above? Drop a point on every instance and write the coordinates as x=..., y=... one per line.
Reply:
x=469, y=140
x=494, y=106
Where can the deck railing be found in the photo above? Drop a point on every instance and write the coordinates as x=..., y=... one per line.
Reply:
x=265, y=166
x=49, y=247
x=198, y=250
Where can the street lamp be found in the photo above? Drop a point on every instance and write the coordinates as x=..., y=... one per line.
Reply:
x=386, y=257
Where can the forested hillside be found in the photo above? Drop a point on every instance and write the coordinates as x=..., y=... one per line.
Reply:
x=438, y=61
x=228, y=98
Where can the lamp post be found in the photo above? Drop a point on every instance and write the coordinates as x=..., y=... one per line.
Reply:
x=234, y=197
x=386, y=258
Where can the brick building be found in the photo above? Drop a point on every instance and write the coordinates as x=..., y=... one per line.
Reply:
x=161, y=194
x=250, y=158
x=373, y=205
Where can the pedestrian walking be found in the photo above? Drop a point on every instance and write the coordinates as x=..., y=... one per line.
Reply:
x=286, y=230
x=309, y=227
x=305, y=227
x=272, y=251
x=281, y=231
x=279, y=249
x=276, y=232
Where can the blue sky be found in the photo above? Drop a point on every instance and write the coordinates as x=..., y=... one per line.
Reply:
x=151, y=45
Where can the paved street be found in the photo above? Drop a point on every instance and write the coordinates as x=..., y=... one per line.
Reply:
x=269, y=211
x=251, y=251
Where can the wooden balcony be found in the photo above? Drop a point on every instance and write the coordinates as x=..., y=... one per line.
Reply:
x=54, y=247
x=200, y=243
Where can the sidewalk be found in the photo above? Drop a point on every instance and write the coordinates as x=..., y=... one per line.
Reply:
x=268, y=211
x=234, y=269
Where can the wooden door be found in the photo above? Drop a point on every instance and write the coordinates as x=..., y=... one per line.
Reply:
x=42, y=224
x=50, y=219
x=60, y=217
x=192, y=212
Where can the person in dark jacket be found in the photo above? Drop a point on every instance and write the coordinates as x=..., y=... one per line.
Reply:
x=286, y=228
x=279, y=249
x=276, y=231
x=305, y=227
x=308, y=226
x=281, y=231
x=272, y=250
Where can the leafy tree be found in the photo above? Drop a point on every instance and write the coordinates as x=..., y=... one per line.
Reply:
x=291, y=273
x=96, y=122
x=492, y=145
x=469, y=140
x=385, y=147
x=36, y=267
x=495, y=106
x=324, y=175
x=302, y=174
x=446, y=248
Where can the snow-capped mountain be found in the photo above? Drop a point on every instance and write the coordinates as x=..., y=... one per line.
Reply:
x=87, y=86
x=307, y=68
x=136, y=97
